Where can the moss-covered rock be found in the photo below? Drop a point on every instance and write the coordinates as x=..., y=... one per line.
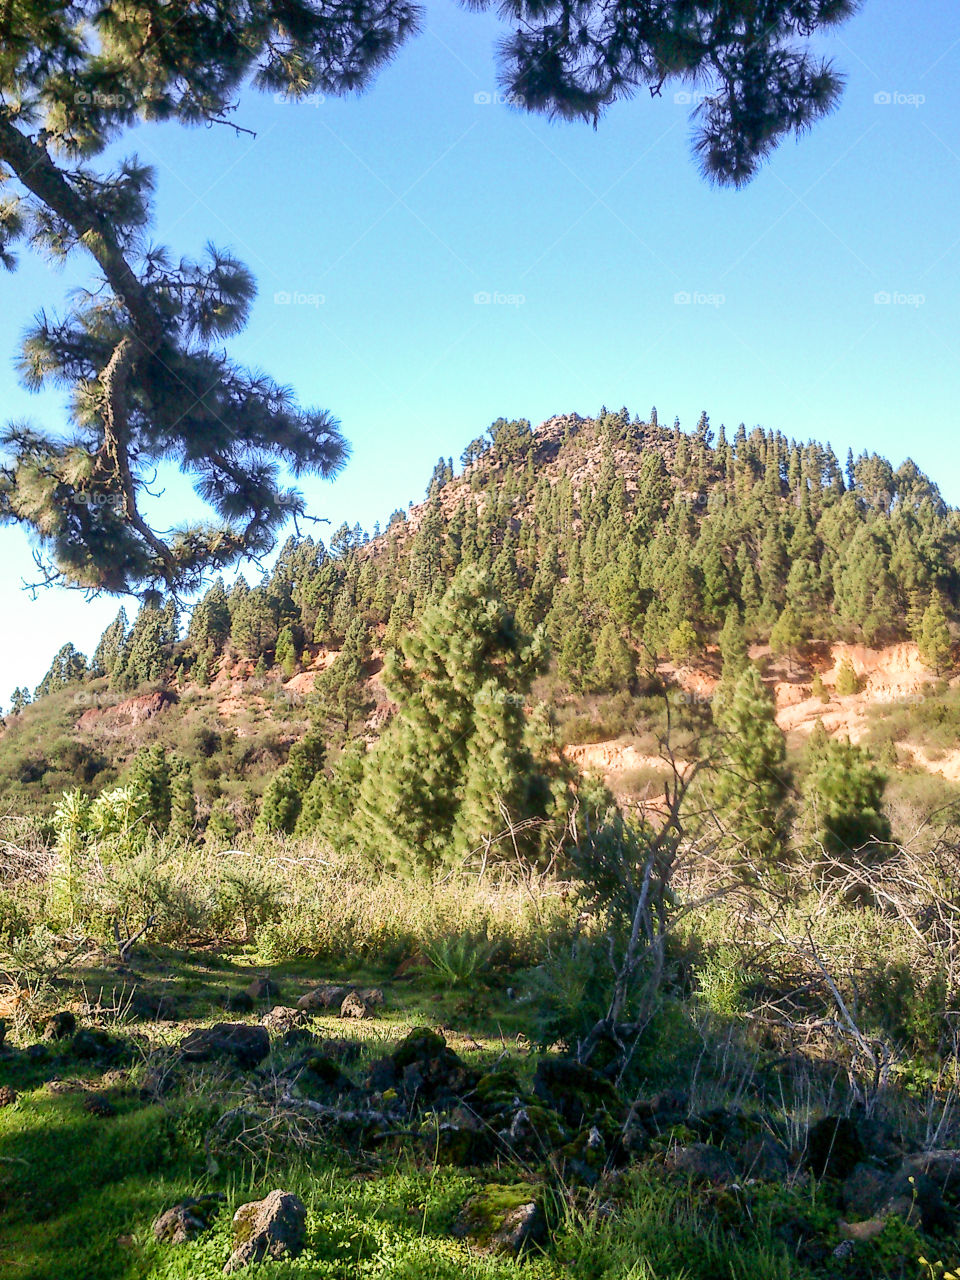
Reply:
x=503, y=1219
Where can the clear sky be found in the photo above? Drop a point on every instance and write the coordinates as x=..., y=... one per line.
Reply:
x=388, y=214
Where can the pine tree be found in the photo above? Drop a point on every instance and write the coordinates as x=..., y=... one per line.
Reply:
x=68, y=667
x=341, y=690
x=145, y=654
x=286, y=653
x=183, y=803
x=150, y=777
x=110, y=646
x=848, y=682
x=843, y=800
x=284, y=796
x=19, y=699
x=465, y=667
x=787, y=635
x=934, y=642
x=222, y=827
x=733, y=647
x=750, y=787
x=614, y=662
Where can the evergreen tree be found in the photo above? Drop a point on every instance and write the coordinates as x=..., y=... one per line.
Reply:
x=787, y=634
x=341, y=689
x=222, y=827
x=19, y=699
x=934, y=641
x=150, y=778
x=749, y=790
x=68, y=667
x=465, y=668
x=144, y=658
x=286, y=653
x=183, y=803
x=848, y=682
x=614, y=662
x=843, y=799
x=110, y=647
x=284, y=796
x=733, y=647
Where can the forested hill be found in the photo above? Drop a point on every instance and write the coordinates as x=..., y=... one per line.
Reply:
x=612, y=532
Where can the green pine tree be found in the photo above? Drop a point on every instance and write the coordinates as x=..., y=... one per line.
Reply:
x=934, y=642
x=750, y=787
x=843, y=800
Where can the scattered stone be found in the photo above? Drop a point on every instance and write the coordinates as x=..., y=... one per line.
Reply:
x=36, y=1053
x=576, y=1092
x=764, y=1158
x=281, y=1019
x=503, y=1220
x=97, y=1105
x=60, y=1025
x=153, y=1007
x=238, y=1002
x=247, y=1046
x=372, y=997
x=58, y=1086
x=91, y=1043
x=186, y=1220
x=353, y=1006
x=263, y=989
x=8, y=1095
x=702, y=1163
x=834, y=1147
x=860, y=1232
x=3, y=1032
x=275, y=1227
x=864, y=1191
x=322, y=998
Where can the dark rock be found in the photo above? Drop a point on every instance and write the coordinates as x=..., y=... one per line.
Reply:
x=577, y=1092
x=154, y=1007
x=8, y=1095
x=834, y=1147
x=263, y=989
x=764, y=1158
x=503, y=1220
x=93, y=1044
x=186, y=1220
x=925, y=1186
x=425, y=1070
x=36, y=1053
x=353, y=1006
x=702, y=1163
x=321, y=999
x=275, y=1227
x=60, y=1025
x=372, y=997
x=281, y=1019
x=3, y=1032
x=864, y=1191
x=238, y=1002
x=247, y=1046
x=98, y=1105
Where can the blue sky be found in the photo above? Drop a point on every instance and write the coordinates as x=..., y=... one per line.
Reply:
x=385, y=216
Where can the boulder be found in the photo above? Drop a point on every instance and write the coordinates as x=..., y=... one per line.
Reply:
x=702, y=1163
x=764, y=1158
x=8, y=1095
x=60, y=1025
x=281, y=1019
x=576, y=1092
x=263, y=989
x=246, y=1046
x=238, y=1002
x=97, y=1104
x=503, y=1220
x=93, y=1044
x=834, y=1147
x=186, y=1220
x=372, y=997
x=275, y=1227
x=322, y=998
x=353, y=1006
x=864, y=1191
